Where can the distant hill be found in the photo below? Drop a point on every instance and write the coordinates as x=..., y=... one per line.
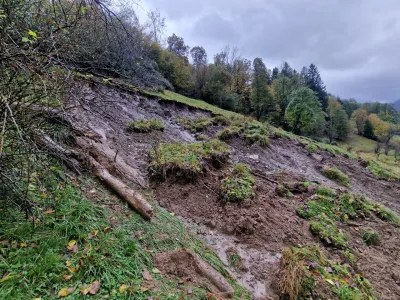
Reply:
x=396, y=104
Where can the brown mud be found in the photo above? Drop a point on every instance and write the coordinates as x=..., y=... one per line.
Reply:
x=260, y=228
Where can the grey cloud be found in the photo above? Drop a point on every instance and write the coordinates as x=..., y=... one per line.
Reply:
x=354, y=43
x=214, y=27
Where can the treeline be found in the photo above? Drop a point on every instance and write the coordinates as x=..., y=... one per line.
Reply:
x=282, y=96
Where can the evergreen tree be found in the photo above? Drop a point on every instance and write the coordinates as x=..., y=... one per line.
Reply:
x=369, y=130
x=315, y=83
x=261, y=96
x=275, y=73
x=287, y=70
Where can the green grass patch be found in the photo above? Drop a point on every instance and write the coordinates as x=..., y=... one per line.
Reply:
x=146, y=125
x=369, y=236
x=238, y=185
x=186, y=160
x=312, y=148
x=307, y=273
x=335, y=174
x=228, y=132
x=171, y=96
x=36, y=262
x=328, y=232
x=380, y=172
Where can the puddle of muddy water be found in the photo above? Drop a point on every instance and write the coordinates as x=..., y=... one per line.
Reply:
x=258, y=265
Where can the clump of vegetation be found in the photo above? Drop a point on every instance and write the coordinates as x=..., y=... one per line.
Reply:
x=380, y=172
x=228, y=132
x=252, y=138
x=199, y=124
x=186, y=160
x=234, y=259
x=307, y=273
x=335, y=174
x=282, y=191
x=221, y=120
x=238, y=185
x=312, y=148
x=196, y=125
x=385, y=213
x=325, y=191
x=328, y=232
x=369, y=236
x=146, y=125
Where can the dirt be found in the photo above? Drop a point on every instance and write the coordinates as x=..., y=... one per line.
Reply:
x=186, y=265
x=260, y=228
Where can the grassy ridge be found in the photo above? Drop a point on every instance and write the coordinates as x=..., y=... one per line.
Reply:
x=171, y=96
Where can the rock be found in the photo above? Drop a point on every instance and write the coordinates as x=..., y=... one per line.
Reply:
x=317, y=157
x=253, y=156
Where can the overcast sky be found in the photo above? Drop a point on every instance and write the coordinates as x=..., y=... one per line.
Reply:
x=354, y=43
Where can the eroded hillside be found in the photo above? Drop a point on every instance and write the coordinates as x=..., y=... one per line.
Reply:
x=250, y=235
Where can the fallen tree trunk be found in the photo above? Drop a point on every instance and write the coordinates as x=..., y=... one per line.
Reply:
x=133, y=198
x=72, y=158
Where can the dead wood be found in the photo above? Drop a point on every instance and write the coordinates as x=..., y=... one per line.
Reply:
x=185, y=263
x=73, y=158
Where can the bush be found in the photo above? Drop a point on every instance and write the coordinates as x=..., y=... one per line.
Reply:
x=325, y=191
x=146, y=125
x=336, y=175
x=370, y=236
x=238, y=185
x=185, y=160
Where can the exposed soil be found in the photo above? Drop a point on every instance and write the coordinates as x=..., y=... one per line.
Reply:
x=260, y=228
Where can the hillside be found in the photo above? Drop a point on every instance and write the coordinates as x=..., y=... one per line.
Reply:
x=295, y=197
x=118, y=182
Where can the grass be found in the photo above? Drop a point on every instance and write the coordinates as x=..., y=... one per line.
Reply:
x=35, y=261
x=171, y=96
x=234, y=259
x=381, y=172
x=304, y=275
x=199, y=124
x=146, y=125
x=358, y=143
x=238, y=185
x=328, y=232
x=186, y=160
x=369, y=236
x=228, y=132
x=335, y=174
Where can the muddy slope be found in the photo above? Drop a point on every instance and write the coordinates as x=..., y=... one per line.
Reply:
x=258, y=229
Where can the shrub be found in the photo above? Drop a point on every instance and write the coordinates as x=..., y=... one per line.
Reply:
x=369, y=236
x=146, y=125
x=185, y=160
x=336, y=175
x=238, y=185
